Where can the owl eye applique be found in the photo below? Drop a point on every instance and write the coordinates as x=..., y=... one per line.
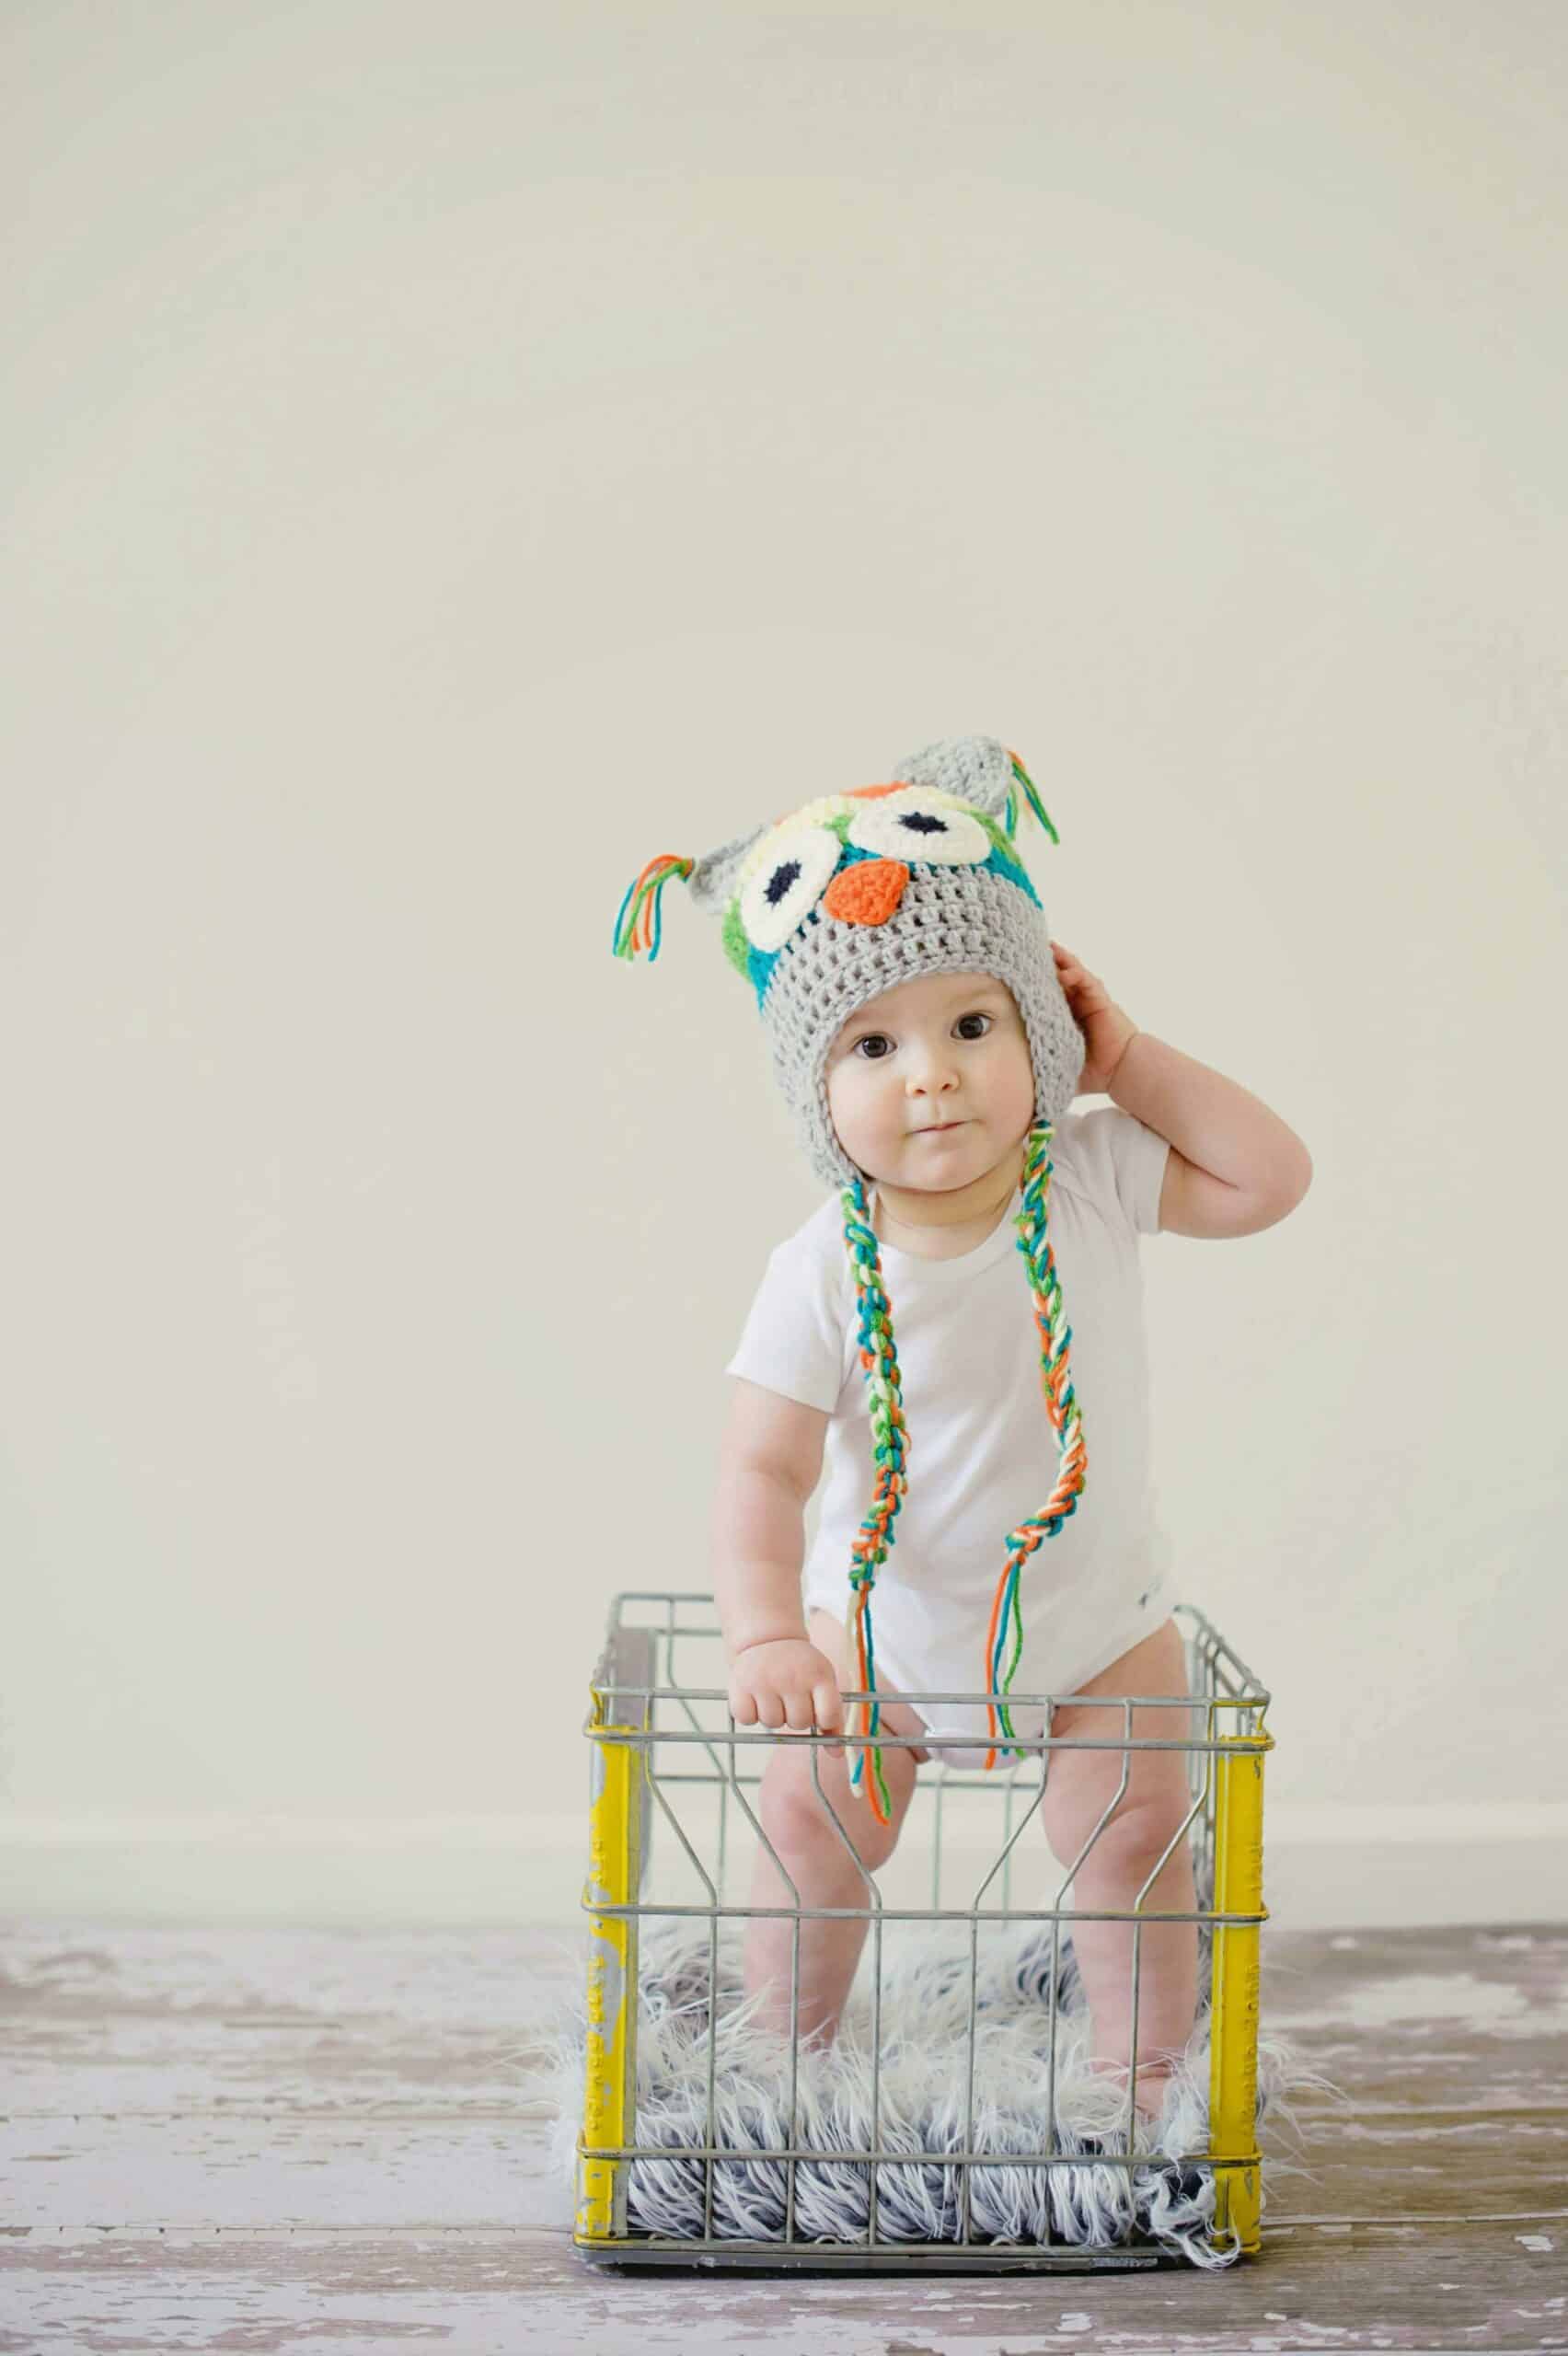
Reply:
x=918, y=824
x=788, y=885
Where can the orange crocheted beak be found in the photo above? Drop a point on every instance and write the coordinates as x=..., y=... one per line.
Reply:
x=868, y=891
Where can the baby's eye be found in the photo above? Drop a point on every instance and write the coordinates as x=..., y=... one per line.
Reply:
x=877, y=1040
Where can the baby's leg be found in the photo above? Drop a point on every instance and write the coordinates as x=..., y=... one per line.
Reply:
x=1078, y=1788
x=824, y=1872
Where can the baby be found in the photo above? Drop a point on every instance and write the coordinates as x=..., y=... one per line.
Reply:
x=929, y=1037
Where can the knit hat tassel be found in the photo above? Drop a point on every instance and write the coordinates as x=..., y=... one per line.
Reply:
x=641, y=908
x=865, y=1718
x=1011, y=817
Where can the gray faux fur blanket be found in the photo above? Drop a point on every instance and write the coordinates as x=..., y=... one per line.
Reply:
x=921, y=2102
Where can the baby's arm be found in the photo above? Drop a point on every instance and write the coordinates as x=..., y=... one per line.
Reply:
x=769, y=1462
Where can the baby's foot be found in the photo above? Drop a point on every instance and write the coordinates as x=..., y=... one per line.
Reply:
x=1153, y=2084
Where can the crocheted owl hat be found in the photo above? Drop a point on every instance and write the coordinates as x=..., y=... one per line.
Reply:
x=834, y=902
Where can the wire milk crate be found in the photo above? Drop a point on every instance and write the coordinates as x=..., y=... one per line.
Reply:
x=753, y=2169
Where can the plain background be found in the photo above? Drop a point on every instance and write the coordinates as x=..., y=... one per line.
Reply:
x=455, y=453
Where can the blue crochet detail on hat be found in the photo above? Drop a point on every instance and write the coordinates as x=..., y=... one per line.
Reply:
x=760, y=963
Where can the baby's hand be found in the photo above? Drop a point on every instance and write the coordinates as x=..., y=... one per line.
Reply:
x=1107, y=1031
x=786, y=1682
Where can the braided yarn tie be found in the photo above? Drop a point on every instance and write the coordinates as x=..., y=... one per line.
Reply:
x=890, y=1447
x=889, y=1441
x=1061, y=1406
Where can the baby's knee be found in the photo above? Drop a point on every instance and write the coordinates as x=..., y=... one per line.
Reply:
x=808, y=1822
x=1145, y=1822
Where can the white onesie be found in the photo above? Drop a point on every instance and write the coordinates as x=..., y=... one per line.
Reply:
x=982, y=1453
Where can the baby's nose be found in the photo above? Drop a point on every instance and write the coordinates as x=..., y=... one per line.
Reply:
x=867, y=891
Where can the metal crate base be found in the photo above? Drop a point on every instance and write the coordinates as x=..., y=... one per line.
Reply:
x=924, y=2258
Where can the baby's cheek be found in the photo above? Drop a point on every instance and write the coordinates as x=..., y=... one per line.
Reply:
x=1020, y=1086
x=852, y=1104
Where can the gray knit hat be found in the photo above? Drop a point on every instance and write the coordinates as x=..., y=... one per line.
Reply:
x=855, y=892
x=839, y=900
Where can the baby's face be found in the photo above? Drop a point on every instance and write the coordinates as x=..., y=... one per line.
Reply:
x=944, y=1048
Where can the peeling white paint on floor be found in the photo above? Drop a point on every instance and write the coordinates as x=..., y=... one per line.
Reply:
x=269, y=2137
x=1493, y=2007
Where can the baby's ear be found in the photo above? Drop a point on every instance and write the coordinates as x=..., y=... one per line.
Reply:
x=712, y=882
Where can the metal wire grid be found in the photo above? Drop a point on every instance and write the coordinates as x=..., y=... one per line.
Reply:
x=640, y=1705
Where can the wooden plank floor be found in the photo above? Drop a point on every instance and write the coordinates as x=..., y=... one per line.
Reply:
x=262, y=2140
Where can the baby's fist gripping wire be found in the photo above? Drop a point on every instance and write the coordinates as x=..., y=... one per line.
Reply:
x=640, y=909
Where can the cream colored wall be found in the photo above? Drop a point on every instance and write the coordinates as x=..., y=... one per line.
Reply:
x=456, y=455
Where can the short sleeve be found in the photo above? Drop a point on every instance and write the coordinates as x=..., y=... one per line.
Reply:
x=1123, y=1157
x=793, y=1340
